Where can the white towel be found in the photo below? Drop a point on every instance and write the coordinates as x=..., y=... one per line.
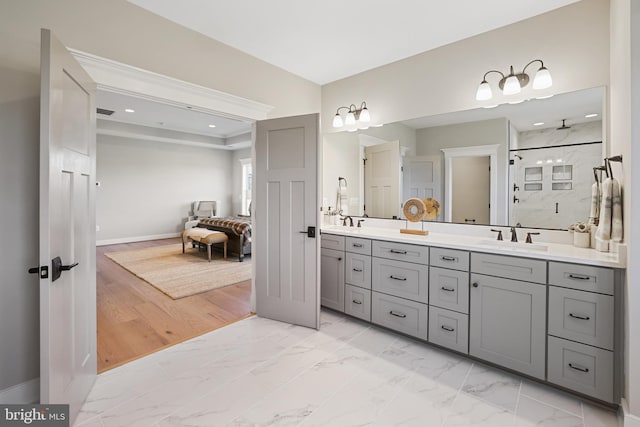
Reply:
x=603, y=235
x=595, y=204
x=616, y=212
x=343, y=200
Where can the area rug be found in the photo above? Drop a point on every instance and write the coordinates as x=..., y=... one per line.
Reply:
x=180, y=275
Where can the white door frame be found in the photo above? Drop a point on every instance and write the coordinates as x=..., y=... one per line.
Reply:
x=477, y=151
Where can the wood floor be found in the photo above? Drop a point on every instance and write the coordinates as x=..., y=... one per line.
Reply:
x=136, y=319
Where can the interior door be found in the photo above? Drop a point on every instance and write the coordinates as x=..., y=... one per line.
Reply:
x=471, y=183
x=422, y=178
x=67, y=228
x=287, y=279
x=382, y=180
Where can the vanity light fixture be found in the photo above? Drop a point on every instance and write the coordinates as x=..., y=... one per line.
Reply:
x=512, y=83
x=354, y=114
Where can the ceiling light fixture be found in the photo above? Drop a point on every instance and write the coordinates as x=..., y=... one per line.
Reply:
x=538, y=124
x=212, y=126
x=512, y=83
x=354, y=114
x=588, y=116
x=129, y=110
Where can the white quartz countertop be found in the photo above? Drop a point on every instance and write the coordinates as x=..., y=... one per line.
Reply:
x=539, y=250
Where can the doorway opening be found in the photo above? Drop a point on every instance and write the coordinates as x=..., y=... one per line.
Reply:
x=135, y=319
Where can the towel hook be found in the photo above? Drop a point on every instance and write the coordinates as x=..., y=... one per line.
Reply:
x=595, y=174
x=608, y=160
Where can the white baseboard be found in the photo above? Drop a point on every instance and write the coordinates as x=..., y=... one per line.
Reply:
x=135, y=239
x=23, y=393
x=628, y=420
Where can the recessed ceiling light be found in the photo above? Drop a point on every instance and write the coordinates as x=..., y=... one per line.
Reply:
x=559, y=161
x=549, y=161
x=539, y=162
x=129, y=110
x=588, y=116
x=538, y=124
x=212, y=126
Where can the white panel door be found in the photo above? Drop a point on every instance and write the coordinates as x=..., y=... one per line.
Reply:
x=67, y=228
x=286, y=193
x=382, y=180
x=422, y=178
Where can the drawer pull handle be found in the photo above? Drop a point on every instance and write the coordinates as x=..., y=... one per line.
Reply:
x=357, y=270
x=395, y=251
x=578, y=277
x=357, y=245
x=355, y=301
x=447, y=328
x=444, y=288
x=577, y=316
x=402, y=279
x=578, y=368
x=448, y=258
x=393, y=313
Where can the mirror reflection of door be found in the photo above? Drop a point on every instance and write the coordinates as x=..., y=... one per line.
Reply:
x=471, y=183
x=422, y=178
x=382, y=180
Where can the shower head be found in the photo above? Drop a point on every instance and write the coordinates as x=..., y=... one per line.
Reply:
x=563, y=125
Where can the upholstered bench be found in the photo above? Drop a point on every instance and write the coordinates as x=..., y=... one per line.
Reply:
x=204, y=236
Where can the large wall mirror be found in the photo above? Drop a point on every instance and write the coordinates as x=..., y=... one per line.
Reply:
x=528, y=164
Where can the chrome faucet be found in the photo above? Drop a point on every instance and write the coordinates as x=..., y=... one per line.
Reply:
x=344, y=221
x=514, y=235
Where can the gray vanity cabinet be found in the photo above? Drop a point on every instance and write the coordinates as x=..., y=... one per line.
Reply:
x=582, y=329
x=332, y=271
x=357, y=278
x=507, y=324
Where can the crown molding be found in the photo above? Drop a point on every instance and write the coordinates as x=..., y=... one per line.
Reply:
x=113, y=76
x=143, y=137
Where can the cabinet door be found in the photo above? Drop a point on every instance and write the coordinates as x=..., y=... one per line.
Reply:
x=332, y=279
x=507, y=323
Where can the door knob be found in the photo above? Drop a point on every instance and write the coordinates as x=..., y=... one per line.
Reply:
x=475, y=284
x=57, y=268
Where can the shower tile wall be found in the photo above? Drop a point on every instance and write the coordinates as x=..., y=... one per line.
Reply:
x=537, y=203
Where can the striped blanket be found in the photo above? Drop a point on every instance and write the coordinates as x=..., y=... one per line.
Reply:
x=239, y=226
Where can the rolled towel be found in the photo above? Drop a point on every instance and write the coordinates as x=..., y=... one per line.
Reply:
x=616, y=212
x=603, y=235
x=595, y=204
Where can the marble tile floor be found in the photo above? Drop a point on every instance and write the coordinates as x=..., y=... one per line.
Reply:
x=258, y=372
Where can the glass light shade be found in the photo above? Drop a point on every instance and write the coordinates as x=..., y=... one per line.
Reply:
x=511, y=86
x=484, y=92
x=542, y=80
x=350, y=119
x=337, y=121
x=364, y=115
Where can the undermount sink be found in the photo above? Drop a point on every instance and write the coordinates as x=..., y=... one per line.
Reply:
x=507, y=244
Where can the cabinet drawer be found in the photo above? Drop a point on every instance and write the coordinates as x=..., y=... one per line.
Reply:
x=530, y=270
x=581, y=277
x=331, y=241
x=405, y=316
x=581, y=316
x=401, y=251
x=449, y=329
x=357, y=270
x=402, y=279
x=449, y=258
x=357, y=302
x=582, y=368
x=449, y=289
x=358, y=246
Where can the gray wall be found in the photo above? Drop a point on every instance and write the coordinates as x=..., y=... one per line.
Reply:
x=146, y=187
x=487, y=132
x=19, y=142
x=236, y=195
